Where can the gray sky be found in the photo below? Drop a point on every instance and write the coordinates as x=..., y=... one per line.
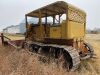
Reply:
x=12, y=11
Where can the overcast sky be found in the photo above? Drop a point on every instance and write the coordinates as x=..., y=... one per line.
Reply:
x=12, y=11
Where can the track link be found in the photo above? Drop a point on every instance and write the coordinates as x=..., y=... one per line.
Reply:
x=70, y=55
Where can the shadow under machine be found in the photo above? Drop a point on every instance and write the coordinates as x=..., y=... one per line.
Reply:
x=58, y=32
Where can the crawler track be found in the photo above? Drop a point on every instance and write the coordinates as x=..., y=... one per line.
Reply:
x=67, y=54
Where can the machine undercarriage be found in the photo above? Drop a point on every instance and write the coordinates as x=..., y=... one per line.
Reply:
x=67, y=56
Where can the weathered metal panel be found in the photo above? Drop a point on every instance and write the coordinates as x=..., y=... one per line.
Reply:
x=55, y=32
x=75, y=30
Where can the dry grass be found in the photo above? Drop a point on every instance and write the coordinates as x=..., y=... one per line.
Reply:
x=15, y=62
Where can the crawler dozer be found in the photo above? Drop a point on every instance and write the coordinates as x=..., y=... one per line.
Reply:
x=59, y=33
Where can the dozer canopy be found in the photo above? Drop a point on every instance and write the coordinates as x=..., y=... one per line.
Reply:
x=59, y=7
x=71, y=27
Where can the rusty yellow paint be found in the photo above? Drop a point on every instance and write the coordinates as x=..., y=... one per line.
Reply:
x=75, y=30
x=55, y=32
x=70, y=30
x=63, y=30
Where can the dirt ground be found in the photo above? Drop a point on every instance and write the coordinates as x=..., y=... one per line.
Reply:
x=21, y=62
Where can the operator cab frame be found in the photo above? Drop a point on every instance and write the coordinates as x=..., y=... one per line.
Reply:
x=62, y=30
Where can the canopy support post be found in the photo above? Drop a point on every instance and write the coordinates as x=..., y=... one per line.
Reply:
x=59, y=18
x=53, y=19
x=40, y=23
x=26, y=21
x=26, y=27
x=45, y=24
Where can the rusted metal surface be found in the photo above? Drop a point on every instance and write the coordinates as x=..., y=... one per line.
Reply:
x=2, y=38
x=14, y=43
x=68, y=42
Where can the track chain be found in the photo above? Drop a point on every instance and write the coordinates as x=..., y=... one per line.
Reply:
x=75, y=58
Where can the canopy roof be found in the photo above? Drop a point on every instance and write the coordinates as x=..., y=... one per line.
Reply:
x=59, y=7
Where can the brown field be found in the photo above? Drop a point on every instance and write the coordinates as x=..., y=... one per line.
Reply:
x=15, y=62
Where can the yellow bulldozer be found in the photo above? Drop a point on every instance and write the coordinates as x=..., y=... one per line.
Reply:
x=59, y=33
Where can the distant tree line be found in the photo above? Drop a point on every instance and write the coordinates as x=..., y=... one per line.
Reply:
x=93, y=31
